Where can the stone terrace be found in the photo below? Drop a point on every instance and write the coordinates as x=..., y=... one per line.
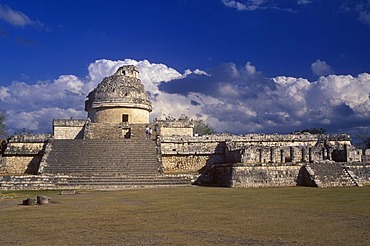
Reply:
x=97, y=164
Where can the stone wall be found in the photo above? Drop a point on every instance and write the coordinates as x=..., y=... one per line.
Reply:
x=189, y=163
x=327, y=174
x=180, y=131
x=265, y=176
x=177, y=151
x=366, y=156
x=247, y=176
x=114, y=115
x=21, y=164
x=190, y=153
x=103, y=131
x=23, y=154
x=68, y=128
x=174, y=127
x=361, y=170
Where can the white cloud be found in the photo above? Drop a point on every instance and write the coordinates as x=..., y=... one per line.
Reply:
x=303, y=2
x=361, y=8
x=364, y=17
x=232, y=99
x=252, y=5
x=150, y=73
x=321, y=68
x=40, y=120
x=14, y=17
x=248, y=5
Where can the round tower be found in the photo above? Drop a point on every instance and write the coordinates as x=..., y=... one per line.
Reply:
x=119, y=98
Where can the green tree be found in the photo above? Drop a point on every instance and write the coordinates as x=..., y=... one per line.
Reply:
x=314, y=130
x=3, y=117
x=23, y=131
x=202, y=128
x=364, y=139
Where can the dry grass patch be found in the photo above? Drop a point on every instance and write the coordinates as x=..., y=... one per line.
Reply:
x=190, y=216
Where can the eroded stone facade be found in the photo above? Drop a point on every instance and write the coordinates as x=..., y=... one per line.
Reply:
x=23, y=154
x=119, y=98
x=174, y=127
x=68, y=128
x=257, y=149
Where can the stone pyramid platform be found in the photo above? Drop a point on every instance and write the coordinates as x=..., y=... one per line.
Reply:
x=97, y=164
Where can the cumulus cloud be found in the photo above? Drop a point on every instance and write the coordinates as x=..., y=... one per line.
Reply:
x=251, y=5
x=242, y=100
x=34, y=106
x=14, y=17
x=303, y=2
x=361, y=8
x=230, y=98
x=321, y=68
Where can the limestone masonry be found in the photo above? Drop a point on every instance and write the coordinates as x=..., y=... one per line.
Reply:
x=109, y=150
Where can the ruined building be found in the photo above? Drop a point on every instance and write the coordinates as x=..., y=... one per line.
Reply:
x=109, y=150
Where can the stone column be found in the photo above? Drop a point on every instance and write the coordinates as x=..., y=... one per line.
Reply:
x=324, y=154
x=292, y=157
x=330, y=153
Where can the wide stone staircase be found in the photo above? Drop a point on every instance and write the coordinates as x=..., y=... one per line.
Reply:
x=331, y=174
x=101, y=157
x=97, y=164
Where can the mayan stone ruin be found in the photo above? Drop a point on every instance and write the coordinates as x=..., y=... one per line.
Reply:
x=109, y=150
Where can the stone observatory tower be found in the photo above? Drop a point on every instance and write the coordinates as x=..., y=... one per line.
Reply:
x=118, y=102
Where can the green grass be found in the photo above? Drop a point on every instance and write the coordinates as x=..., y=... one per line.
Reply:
x=190, y=216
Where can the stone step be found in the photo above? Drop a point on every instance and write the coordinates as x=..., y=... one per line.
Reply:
x=331, y=174
x=94, y=156
x=78, y=182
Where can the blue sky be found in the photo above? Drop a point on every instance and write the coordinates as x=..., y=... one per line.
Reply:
x=242, y=66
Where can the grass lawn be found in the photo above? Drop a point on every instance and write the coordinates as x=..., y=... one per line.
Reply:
x=189, y=216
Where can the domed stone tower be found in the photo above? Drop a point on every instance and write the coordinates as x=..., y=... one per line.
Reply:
x=119, y=101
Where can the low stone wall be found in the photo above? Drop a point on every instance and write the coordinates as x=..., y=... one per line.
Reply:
x=23, y=154
x=174, y=127
x=25, y=148
x=68, y=128
x=21, y=164
x=270, y=175
x=361, y=170
x=190, y=154
x=247, y=176
x=178, y=152
x=264, y=176
x=188, y=163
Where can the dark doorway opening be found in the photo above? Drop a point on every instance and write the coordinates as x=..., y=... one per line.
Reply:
x=125, y=118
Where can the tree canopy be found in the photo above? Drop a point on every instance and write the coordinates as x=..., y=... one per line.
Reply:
x=364, y=138
x=314, y=130
x=200, y=127
x=3, y=116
